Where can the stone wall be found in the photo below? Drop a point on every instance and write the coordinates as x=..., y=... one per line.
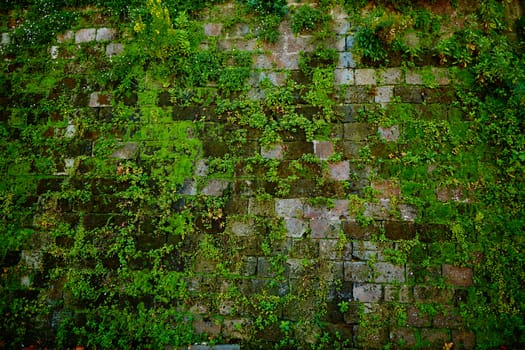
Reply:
x=322, y=225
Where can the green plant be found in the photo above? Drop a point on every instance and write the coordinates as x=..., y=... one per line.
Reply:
x=307, y=18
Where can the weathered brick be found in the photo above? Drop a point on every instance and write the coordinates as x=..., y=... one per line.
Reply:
x=357, y=271
x=355, y=231
x=275, y=151
x=215, y=187
x=409, y=94
x=295, y=227
x=356, y=132
x=289, y=208
x=367, y=250
x=441, y=75
x=448, y=317
x=212, y=29
x=261, y=207
x=389, y=133
x=384, y=94
x=237, y=329
x=105, y=34
x=417, y=318
x=325, y=228
x=85, y=35
x=390, y=76
x=399, y=230
x=414, y=78
x=404, y=338
x=367, y=292
x=205, y=326
x=378, y=211
x=339, y=171
x=365, y=76
x=386, y=188
x=458, y=276
x=388, y=273
x=113, y=49
x=346, y=60
x=323, y=149
x=98, y=99
x=359, y=94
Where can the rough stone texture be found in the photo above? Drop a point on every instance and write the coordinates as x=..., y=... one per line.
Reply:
x=325, y=228
x=346, y=60
x=367, y=292
x=343, y=77
x=447, y=318
x=339, y=171
x=416, y=318
x=365, y=76
x=273, y=151
x=414, y=78
x=441, y=75
x=435, y=337
x=407, y=212
x=357, y=271
x=289, y=208
x=67, y=36
x=390, y=76
x=395, y=293
x=431, y=294
x=323, y=149
x=338, y=211
x=215, y=187
x=295, y=228
x=106, y=34
x=384, y=94
x=458, y=276
x=356, y=132
x=405, y=338
x=85, y=35
x=389, y=273
x=331, y=249
x=378, y=211
x=409, y=94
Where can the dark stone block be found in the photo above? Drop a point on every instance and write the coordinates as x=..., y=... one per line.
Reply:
x=399, y=230
x=214, y=148
x=164, y=99
x=294, y=150
x=359, y=94
x=440, y=94
x=49, y=185
x=304, y=248
x=409, y=94
x=356, y=231
x=302, y=188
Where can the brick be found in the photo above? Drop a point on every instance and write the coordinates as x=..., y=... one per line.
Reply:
x=378, y=211
x=323, y=149
x=386, y=188
x=261, y=207
x=85, y=35
x=357, y=271
x=404, y=338
x=365, y=76
x=366, y=250
x=273, y=151
x=295, y=228
x=388, y=273
x=325, y=228
x=416, y=318
x=409, y=94
x=346, y=60
x=215, y=187
x=105, y=34
x=343, y=77
x=367, y=292
x=396, y=230
x=98, y=99
x=248, y=266
x=414, y=78
x=68, y=35
x=355, y=231
x=401, y=294
x=384, y=94
x=356, y=132
x=359, y=94
x=113, y=49
x=127, y=150
x=441, y=75
x=390, y=76
x=204, y=326
x=447, y=318
x=407, y=212
x=339, y=171
x=241, y=227
x=330, y=249
x=289, y=208
x=458, y=276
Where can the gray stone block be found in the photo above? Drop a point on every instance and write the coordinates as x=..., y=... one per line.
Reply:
x=343, y=76
x=346, y=60
x=339, y=171
x=85, y=35
x=295, y=228
x=357, y=132
x=390, y=76
x=365, y=76
x=106, y=34
x=212, y=29
x=325, y=228
x=289, y=208
x=367, y=292
x=357, y=271
x=389, y=133
x=388, y=273
x=215, y=187
x=113, y=49
x=384, y=94
x=275, y=151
